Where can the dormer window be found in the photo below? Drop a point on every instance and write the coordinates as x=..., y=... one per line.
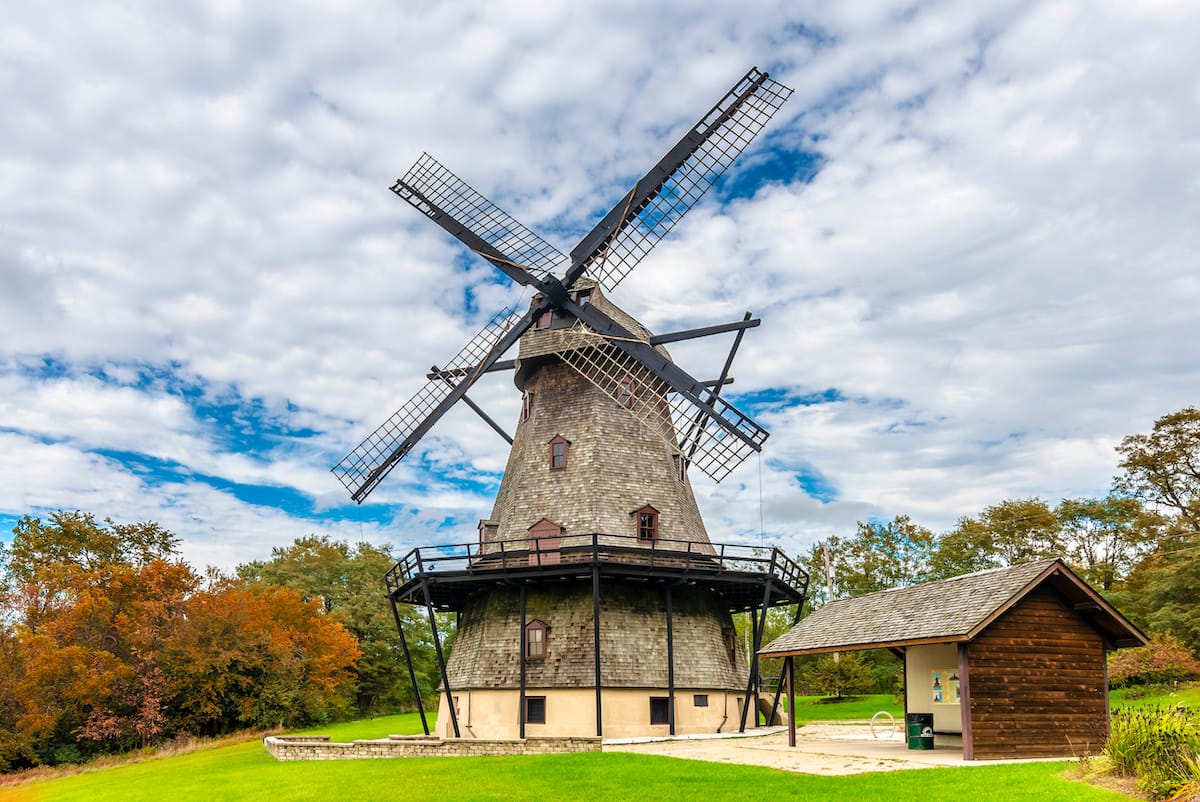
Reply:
x=646, y=520
x=544, y=319
x=582, y=297
x=625, y=392
x=680, y=467
x=535, y=640
x=558, y=452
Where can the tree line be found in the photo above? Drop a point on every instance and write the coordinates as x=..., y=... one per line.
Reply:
x=109, y=641
x=1139, y=545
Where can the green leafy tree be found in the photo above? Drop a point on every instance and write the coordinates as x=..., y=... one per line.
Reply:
x=1009, y=533
x=845, y=675
x=1162, y=593
x=1104, y=538
x=1163, y=467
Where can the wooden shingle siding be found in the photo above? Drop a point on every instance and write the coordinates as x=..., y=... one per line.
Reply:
x=1037, y=682
x=633, y=639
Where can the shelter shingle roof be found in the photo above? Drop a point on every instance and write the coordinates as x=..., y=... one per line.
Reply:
x=947, y=610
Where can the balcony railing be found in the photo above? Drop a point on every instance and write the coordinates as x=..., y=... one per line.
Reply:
x=682, y=556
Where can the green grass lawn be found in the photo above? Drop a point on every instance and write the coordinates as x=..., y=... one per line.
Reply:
x=244, y=771
x=1188, y=697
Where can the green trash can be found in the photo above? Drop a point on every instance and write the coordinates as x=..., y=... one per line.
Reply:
x=918, y=727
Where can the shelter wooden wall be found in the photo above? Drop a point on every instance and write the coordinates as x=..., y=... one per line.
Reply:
x=1037, y=682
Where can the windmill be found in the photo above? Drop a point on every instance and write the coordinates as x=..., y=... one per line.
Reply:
x=594, y=575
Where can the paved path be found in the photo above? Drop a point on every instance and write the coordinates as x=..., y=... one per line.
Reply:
x=821, y=748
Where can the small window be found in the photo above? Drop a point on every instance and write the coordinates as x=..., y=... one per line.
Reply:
x=680, y=467
x=544, y=319
x=660, y=710
x=647, y=524
x=535, y=641
x=731, y=646
x=526, y=404
x=558, y=453
x=535, y=709
x=582, y=297
x=625, y=392
x=700, y=700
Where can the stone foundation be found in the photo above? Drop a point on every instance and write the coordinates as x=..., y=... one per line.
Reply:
x=319, y=747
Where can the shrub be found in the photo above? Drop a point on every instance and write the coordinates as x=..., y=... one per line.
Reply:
x=1164, y=660
x=1156, y=745
x=846, y=675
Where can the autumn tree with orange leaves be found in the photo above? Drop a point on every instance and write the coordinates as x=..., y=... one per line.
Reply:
x=109, y=641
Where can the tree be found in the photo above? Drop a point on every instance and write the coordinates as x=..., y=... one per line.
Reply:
x=348, y=583
x=844, y=675
x=1104, y=538
x=1163, y=467
x=1009, y=533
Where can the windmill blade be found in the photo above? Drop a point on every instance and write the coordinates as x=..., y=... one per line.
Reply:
x=477, y=222
x=668, y=414
x=373, y=459
x=643, y=217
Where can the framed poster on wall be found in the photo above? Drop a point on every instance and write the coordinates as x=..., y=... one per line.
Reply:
x=946, y=687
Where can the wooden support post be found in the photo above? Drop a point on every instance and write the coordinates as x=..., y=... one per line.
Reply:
x=596, y=645
x=789, y=667
x=437, y=647
x=964, y=701
x=412, y=674
x=670, y=665
x=523, y=647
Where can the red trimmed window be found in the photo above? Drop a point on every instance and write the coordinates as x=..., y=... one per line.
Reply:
x=625, y=392
x=544, y=319
x=535, y=641
x=558, y=452
x=535, y=709
x=582, y=297
x=647, y=524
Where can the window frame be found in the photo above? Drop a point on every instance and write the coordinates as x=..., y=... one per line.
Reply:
x=646, y=524
x=526, y=405
x=661, y=705
x=539, y=627
x=558, y=440
x=700, y=700
x=530, y=703
x=626, y=392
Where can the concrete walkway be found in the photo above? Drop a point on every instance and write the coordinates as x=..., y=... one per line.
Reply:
x=821, y=748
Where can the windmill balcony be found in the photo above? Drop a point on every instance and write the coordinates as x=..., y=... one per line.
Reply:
x=743, y=576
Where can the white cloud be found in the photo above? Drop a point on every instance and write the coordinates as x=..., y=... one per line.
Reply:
x=995, y=267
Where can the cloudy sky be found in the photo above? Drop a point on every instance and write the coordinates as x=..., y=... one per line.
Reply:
x=971, y=235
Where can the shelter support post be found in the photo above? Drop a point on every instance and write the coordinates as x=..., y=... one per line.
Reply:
x=964, y=702
x=412, y=674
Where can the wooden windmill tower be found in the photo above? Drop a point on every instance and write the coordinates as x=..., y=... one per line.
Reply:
x=593, y=601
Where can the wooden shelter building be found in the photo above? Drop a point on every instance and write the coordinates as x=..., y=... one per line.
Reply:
x=1012, y=658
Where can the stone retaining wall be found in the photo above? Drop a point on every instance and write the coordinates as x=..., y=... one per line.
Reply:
x=319, y=747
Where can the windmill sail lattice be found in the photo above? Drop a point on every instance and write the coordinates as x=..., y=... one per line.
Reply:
x=669, y=415
x=373, y=458
x=654, y=207
x=434, y=190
